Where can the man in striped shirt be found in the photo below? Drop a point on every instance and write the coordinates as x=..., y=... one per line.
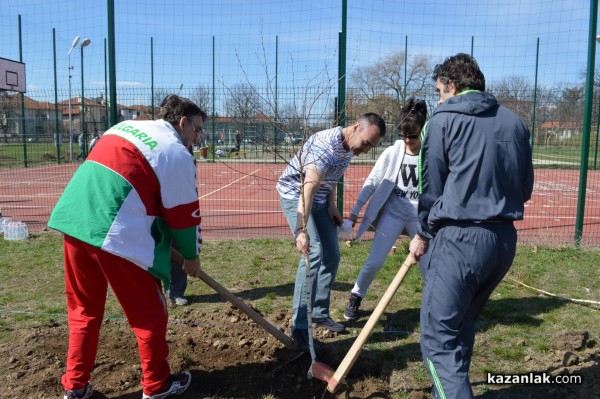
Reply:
x=134, y=194
x=308, y=197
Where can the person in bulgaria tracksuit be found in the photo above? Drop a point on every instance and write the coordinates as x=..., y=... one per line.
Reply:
x=133, y=195
x=476, y=175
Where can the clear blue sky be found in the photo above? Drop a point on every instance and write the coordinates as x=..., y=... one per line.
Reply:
x=503, y=33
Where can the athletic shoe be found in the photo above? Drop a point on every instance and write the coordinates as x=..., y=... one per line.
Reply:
x=176, y=384
x=83, y=393
x=179, y=301
x=351, y=312
x=329, y=324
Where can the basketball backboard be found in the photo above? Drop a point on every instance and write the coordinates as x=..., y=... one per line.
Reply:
x=12, y=75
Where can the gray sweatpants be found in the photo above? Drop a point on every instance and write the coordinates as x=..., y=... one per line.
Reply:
x=464, y=264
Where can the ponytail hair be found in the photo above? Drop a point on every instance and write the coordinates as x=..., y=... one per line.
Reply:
x=413, y=117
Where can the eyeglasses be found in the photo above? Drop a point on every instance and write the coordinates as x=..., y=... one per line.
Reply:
x=197, y=129
x=412, y=137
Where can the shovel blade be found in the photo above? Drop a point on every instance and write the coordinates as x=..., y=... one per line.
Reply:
x=320, y=371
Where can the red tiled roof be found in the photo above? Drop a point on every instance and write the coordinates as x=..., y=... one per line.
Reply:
x=560, y=125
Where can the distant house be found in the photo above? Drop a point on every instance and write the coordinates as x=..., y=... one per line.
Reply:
x=41, y=117
x=95, y=115
x=137, y=112
x=38, y=116
x=557, y=131
x=41, y=121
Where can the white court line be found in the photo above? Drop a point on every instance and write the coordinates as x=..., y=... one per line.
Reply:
x=227, y=185
x=29, y=195
x=28, y=207
x=241, y=199
x=245, y=210
x=558, y=217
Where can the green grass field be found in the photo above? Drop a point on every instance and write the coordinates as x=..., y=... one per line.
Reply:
x=515, y=332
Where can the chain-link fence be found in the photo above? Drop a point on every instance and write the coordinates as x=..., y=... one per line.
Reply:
x=269, y=73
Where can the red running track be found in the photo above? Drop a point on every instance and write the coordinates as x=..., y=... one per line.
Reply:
x=239, y=200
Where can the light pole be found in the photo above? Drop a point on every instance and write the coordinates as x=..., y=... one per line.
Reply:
x=75, y=41
x=83, y=44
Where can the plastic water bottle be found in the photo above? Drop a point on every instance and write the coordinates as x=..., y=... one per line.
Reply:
x=4, y=222
x=20, y=231
x=345, y=230
x=23, y=231
x=14, y=231
x=9, y=231
x=1, y=220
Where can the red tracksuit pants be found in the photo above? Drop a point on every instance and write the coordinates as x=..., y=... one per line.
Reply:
x=88, y=272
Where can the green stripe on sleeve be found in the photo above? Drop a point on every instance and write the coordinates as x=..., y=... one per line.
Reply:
x=419, y=163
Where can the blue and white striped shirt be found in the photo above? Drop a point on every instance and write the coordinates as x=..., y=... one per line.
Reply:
x=324, y=151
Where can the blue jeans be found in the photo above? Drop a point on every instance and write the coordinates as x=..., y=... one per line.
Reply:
x=324, y=258
x=178, y=279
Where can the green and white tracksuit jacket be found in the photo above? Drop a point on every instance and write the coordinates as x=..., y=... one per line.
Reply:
x=135, y=192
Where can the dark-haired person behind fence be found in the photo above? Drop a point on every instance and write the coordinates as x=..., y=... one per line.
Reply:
x=322, y=160
x=391, y=190
x=134, y=194
x=476, y=176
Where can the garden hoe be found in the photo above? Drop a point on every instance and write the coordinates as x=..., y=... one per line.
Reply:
x=228, y=296
x=352, y=355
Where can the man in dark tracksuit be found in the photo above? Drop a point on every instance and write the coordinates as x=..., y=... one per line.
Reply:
x=476, y=174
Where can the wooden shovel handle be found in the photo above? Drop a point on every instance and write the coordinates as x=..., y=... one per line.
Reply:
x=238, y=303
x=356, y=347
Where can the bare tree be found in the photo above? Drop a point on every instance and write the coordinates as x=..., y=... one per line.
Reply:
x=516, y=93
x=544, y=112
x=571, y=104
x=244, y=104
x=244, y=101
x=159, y=95
x=385, y=87
x=201, y=97
x=290, y=117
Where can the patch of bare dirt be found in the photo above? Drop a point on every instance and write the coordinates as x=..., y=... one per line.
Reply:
x=576, y=355
x=227, y=354
x=230, y=357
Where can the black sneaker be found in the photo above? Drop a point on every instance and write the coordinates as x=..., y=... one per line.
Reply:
x=351, y=312
x=83, y=393
x=176, y=384
x=329, y=324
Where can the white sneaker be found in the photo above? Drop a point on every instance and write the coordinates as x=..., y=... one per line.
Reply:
x=180, y=301
x=178, y=384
